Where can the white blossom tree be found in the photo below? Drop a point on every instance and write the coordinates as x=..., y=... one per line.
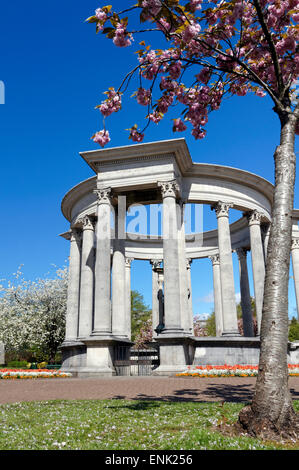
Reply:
x=32, y=315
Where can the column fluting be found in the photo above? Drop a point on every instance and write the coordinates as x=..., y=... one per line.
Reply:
x=119, y=298
x=73, y=291
x=229, y=311
x=102, y=305
x=188, y=266
x=172, y=299
x=217, y=294
x=155, y=299
x=245, y=293
x=128, y=262
x=295, y=264
x=87, y=278
x=265, y=231
x=258, y=263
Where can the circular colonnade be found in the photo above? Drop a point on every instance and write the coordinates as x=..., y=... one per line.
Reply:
x=98, y=321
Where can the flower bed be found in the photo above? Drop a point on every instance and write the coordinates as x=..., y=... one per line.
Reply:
x=32, y=374
x=230, y=371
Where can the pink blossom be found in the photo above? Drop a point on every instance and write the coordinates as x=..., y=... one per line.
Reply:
x=143, y=96
x=164, y=25
x=102, y=137
x=204, y=75
x=166, y=84
x=286, y=44
x=155, y=117
x=178, y=125
x=135, y=135
x=174, y=69
x=150, y=64
x=195, y=4
x=191, y=32
x=153, y=6
x=121, y=37
x=101, y=15
x=220, y=20
x=198, y=133
x=260, y=92
x=164, y=102
x=112, y=104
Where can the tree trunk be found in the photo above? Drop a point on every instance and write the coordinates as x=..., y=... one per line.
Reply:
x=271, y=412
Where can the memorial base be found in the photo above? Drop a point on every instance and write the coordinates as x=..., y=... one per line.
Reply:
x=96, y=357
x=176, y=352
x=226, y=350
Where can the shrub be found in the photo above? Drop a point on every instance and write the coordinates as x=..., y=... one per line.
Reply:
x=294, y=330
x=17, y=364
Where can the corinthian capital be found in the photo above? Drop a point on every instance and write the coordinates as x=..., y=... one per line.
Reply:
x=128, y=262
x=104, y=195
x=242, y=253
x=155, y=263
x=221, y=208
x=87, y=222
x=295, y=243
x=254, y=217
x=169, y=188
x=215, y=259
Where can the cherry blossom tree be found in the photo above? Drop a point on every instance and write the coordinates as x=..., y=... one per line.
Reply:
x=144, y=335
x=211, y=50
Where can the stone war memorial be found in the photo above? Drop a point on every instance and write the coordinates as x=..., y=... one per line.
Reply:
x=98, y=320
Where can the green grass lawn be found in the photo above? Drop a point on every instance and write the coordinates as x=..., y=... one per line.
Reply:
x=122, y=424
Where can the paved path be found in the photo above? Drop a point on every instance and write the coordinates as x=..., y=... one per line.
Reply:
x=237, y=389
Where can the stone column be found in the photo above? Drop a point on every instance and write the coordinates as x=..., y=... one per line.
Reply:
x=295, y=264
x=161, y=297
x=229, y=311
x=119, y=297
x=185, y=306
x=87, y=278
x=265, y=231
x=155, y=290
x=258, y=264
x=73, y=291
x=102, y=306
x=172, y=299
x=245, y=293
x=188, y=266
x=128, y=262
x=217, y=294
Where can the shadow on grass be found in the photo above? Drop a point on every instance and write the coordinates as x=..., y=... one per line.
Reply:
x=139, y=404
x=217, y=393
x=294, y=394
x=213, y=393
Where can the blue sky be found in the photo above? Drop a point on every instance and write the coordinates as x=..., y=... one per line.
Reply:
x=55, y=69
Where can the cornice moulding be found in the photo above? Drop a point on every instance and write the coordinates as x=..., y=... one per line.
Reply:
x=177, y=147
x=157, y=150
